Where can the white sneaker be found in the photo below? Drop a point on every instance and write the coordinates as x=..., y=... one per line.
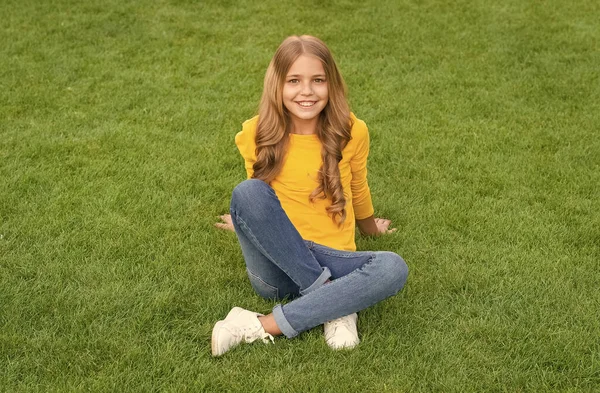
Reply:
x=341, y=333
x=239, y=326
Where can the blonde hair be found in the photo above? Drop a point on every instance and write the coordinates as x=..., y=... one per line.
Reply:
x=333, y=126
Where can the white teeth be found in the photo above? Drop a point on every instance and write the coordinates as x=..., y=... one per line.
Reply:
x=306, y=104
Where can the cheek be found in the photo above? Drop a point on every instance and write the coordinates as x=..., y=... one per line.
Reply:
x=323, y=91
x=288, y=93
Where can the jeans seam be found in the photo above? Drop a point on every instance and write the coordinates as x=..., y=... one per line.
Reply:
x=275, y=289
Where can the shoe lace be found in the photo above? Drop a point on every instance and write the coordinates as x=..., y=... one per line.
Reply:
x=266, y=337
x=340, y=322
x=251, y=334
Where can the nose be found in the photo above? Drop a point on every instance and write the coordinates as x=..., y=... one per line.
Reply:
x=306, y=89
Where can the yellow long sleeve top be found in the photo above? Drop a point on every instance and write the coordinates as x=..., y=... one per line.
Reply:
x=298, y=178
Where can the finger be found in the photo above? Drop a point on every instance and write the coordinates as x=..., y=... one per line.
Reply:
x=392, y=230
x=221, y=225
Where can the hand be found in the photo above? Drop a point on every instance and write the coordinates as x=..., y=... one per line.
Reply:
x=383, y=226
x=225, y=223
x=372, y=226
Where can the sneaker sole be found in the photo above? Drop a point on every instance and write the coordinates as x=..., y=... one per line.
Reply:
x=214, y=346
x=344, y=346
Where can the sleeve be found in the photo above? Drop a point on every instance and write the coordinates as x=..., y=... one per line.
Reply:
x=361, y=194
x=245, y=141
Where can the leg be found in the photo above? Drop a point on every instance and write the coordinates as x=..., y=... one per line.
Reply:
x=277, y=259
x=376, y=276
x=268, y=237
x=268, y=281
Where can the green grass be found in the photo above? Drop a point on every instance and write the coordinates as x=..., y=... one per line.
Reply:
x=116, y=155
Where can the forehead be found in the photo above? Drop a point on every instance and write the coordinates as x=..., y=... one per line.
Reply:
x=307, y=65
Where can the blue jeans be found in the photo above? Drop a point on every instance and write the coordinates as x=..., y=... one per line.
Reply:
x=281, y=264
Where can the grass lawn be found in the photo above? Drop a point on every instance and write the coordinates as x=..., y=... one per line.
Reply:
x=117, y=121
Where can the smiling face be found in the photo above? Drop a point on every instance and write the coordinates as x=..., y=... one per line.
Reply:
x=305, y=93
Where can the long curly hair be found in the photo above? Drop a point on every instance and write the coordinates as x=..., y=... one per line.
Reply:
x=333, y=126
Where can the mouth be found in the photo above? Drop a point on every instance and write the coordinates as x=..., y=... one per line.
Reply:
x=306, y=104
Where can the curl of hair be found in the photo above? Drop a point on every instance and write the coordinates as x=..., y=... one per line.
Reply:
x=333, y=127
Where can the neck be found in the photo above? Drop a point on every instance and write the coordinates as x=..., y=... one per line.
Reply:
x=304, y=127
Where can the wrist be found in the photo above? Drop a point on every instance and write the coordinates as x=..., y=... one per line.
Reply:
x=367, y=226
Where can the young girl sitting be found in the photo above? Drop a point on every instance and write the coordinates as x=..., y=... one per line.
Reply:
x=306, y=159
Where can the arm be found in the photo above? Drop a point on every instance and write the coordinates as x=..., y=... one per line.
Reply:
x=245, y=143
x=363, y=207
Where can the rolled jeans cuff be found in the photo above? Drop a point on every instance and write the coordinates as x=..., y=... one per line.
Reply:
x=283, y=323
x=325, y=275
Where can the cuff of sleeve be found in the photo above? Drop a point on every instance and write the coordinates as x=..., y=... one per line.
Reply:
x=362, y=213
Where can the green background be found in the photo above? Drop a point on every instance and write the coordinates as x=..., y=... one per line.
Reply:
x=117, y=121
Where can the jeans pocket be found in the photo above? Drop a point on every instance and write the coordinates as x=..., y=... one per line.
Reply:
x=262, y=288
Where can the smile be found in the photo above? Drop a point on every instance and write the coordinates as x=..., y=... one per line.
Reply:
x=306, y=104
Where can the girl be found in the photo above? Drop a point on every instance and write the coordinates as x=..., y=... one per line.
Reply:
x=306, y=159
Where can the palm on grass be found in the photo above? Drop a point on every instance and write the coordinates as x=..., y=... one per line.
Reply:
x=383, y=226
x=225, y=223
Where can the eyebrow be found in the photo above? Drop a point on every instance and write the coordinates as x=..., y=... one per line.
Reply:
x=314, y=76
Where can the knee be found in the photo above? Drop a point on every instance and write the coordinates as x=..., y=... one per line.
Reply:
x=396, y=271
x=248, y=188
x=249, y=192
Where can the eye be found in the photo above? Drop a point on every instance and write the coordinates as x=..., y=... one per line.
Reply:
x=319, y=80
x=293, y=81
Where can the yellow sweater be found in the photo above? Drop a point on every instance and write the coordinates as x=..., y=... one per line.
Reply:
x=298, y=178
